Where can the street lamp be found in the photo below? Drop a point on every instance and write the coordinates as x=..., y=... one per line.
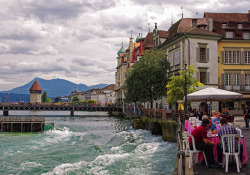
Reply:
x=185, y=90
x=152, y=90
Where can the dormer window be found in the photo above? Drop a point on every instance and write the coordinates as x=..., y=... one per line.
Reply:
x=239, y=26
x=223, y=26
x=229, y=34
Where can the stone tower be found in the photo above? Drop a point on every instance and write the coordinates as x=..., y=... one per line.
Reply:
x=35, y=93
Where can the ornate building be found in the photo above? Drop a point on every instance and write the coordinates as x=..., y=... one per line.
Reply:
x=35, y=93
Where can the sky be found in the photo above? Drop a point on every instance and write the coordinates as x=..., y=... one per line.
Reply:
x=78, y=40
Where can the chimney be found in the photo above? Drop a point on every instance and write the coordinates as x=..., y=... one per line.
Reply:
x=210, y=24
x=155, y=25
x=194, y=22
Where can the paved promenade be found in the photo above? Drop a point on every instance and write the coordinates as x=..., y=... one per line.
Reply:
x=245, y=170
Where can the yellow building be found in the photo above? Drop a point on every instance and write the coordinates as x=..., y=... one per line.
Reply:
x=233, y=54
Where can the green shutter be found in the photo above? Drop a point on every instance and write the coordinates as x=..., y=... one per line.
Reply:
x=242, y=60
x=197, y=54
x=242, y=82
x=222, y=55
x=222, y=80
x=207, y=55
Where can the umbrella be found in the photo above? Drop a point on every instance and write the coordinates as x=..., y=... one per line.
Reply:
x=213, y=94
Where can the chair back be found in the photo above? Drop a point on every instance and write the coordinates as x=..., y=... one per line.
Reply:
x=193, y=143
x=239, y=132
x=230, y=140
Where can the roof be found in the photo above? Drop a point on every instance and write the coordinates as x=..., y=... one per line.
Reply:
x=109, y=87
x=122, y=50
x=148, y=41
x=185, y=25
x=163, y=34
x=36, y=87
x=241, y=17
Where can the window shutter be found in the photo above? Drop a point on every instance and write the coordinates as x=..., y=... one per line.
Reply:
x=198, y=75
x=222, y=81
x=207, y=55
x=222, y=55
x=242, y=60
x=208, y=78
x=242, y=82
x=197, y=54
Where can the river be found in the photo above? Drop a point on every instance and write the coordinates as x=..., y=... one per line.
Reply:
x=89, y=143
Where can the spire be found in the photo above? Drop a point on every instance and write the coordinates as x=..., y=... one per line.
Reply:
x=172, y=20
x=148, y=28
x=133, y=58
x=182, y=12
x=140, y=49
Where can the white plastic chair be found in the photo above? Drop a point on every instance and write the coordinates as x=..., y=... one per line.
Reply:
x=239, y=132
x=230, y=139
x=194, y=151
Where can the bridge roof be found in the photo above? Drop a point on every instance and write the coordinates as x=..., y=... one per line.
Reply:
x=36, y=87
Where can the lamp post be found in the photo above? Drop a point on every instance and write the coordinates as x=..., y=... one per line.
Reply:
x=152, y=90
x=185, y=91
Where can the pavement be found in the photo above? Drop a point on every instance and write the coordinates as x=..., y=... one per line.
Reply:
x=200, y=169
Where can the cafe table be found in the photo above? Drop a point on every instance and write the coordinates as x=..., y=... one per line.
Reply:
x=214, y=138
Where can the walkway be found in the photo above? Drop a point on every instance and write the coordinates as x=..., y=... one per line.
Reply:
x=203, y=170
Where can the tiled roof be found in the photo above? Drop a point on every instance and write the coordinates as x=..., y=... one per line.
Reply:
x=201, y=31
x=123, y=54
x=109, y=87
x=241, y=17
x=135, y=45
x=148, y=41
x=163, y=34
x=36, y=87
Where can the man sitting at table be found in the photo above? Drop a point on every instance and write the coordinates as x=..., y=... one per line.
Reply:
x=217, y=119
x=224, y=130
x=211, y=126
x=202, y=142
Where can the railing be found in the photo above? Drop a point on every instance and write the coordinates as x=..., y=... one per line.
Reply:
x=21, y=119
x=181, y=152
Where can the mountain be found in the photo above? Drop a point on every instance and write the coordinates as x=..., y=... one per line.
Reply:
x=54, y=87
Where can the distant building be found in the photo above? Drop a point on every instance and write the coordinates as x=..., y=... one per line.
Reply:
x=35, y=93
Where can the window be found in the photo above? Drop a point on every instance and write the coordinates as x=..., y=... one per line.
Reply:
x=203, y=77
x=229, y=34
x=247, y=57
x=239, y=26
x=236, y=79
x=247, y=79
x=228, y=57
x=177, y=57
x=246, y=35
x=228, y=79
x=202, y=54
x=170, y=58
x=236, y=57
x=223, y=26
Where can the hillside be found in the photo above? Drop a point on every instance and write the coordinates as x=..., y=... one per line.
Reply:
x=54, y=87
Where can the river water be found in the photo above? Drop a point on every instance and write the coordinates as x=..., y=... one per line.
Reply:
x=90, y=143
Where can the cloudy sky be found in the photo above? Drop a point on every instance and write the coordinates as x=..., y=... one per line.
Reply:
x=77, y=40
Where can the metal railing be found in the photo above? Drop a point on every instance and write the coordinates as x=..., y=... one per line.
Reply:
x=180, y=151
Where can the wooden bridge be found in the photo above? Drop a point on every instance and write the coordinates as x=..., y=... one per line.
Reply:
x=50, y=107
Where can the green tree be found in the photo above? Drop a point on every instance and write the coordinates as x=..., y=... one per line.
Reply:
x=150, y=71
x=57, y=99
x=75, y=98
x=48, y=100
x=176, y=85
x=44, y=96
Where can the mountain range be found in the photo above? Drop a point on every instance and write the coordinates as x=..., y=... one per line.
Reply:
x=54, y=87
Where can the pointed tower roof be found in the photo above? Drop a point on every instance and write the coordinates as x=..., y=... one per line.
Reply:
x=122, y=50
x=134, y=55
x=140, y=49
x=36, y=87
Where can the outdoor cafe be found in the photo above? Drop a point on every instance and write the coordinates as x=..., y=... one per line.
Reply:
x=213, y=94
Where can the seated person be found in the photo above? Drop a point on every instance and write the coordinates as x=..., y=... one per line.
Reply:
x=211, y=126
x=217, y=119
x=213, y=114
x=202, y=142
x=224, y=130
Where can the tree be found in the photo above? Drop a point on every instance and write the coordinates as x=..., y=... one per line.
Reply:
x=57, y=99
x=150, y=71
x=177, y=83
x=75, y=98
x=48, y=100
x=44, y=96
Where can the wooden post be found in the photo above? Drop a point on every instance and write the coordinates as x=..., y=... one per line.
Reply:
x=21, y=127
x=11, y=126
x=72, y=112
x=31, y=126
